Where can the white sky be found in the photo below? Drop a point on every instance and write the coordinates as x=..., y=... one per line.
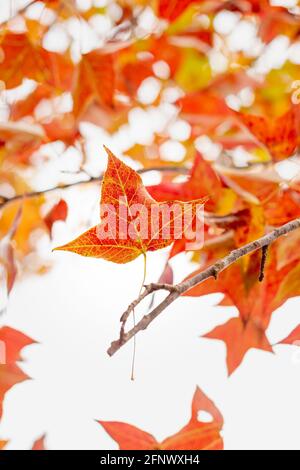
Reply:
x=74, y=310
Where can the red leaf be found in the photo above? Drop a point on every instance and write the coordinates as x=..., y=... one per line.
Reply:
x=7, y=254
x=280, y=135
x=11, y=342
x=123, y=237
x=203, y=182
x=171, y=9
x=95, y=81
x=293, y=338
x=62, y=128
x=196, y=435
x=25, y=107
x=255, y=301
x=203, y=103
x=239, y=337
x=3, y=444
x=34, y=63
x=58, y=212
x=129, y=437
x=39, y=444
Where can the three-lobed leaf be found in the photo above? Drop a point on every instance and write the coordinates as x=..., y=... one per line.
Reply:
x=196, y=435
x=124, y=235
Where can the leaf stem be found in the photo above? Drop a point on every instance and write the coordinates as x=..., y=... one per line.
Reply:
x=134, y=319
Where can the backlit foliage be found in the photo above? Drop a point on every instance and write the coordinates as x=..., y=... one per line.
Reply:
x=207, y=87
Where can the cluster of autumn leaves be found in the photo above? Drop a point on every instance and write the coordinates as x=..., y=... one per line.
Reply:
x=242, y=204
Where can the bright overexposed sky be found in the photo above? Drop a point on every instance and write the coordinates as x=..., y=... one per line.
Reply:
x=73, y=312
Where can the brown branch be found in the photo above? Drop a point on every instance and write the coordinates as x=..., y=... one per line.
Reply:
x=148, y=290
x=176, y=290
x=93, y=179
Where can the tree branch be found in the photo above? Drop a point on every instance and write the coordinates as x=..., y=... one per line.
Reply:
x=176, y=290
x=93, y=179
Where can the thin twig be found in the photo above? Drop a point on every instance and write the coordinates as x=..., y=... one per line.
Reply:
x=176, y=290
x=148, y=290
x=93, y=179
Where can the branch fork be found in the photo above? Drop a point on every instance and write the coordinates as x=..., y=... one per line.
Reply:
x=148, y=289
x=175, y=291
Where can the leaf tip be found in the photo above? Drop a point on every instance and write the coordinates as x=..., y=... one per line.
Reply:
x=106, y=149
x=59, y=248
x=108, y=152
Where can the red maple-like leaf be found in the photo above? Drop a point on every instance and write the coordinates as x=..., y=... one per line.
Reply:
x=280, y=204
x=23, y=58
x=255, y=301
x=196, y=435
x=280, y=136
x=95, y=81
x=11, y=343
x=58, y=212
x=202, y=182
x=123, y=237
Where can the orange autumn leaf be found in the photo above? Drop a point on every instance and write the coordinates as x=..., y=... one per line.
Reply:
x=239, y=338
x=171, y=9
x=279, y=135
x=288, y=249
x=17, y=45
x=203, y=103
x=254, y=226
x=255, y=301
x=279, y=204
x=283, y=207
x=18, y=140
x=39, y=444
x=133, y=74
x=63, y=128
x=202, y=182
x=124, y=235
x=11, y=343
x=7, y=252
x=95, y=81
x=129, y=437
x=2, y=444
x=277, y=22
x=30, y=220
x=25, y=107
x=23, y=58
x=293, y=338
x=196, y=435
x=289, y=286
x=166, y=277
x=58, y=212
